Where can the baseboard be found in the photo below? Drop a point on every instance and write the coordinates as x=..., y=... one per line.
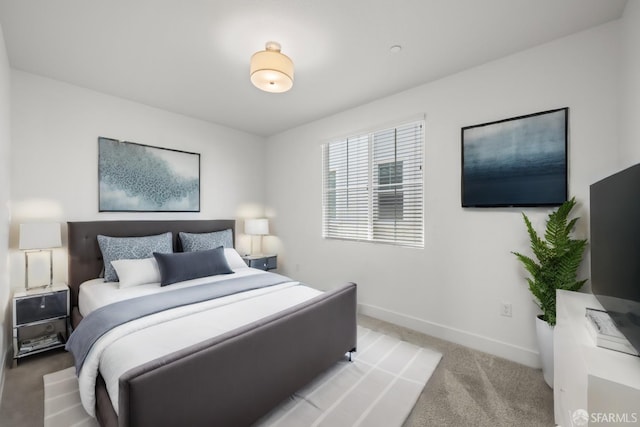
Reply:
x=477, y=342
x=6, y=357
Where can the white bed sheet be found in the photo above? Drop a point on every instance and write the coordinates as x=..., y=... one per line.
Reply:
x=96, y=293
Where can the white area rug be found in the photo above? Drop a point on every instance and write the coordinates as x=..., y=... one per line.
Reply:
x=62, y=407
x=379, y=388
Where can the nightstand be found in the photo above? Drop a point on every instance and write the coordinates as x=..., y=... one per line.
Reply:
x=40, y=320
x=262, y=262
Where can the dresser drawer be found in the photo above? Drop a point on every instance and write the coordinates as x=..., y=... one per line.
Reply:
x=34, y=308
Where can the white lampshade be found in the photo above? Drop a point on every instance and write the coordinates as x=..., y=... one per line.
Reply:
x=271, y=70
x=256, y=227
x=39, y=235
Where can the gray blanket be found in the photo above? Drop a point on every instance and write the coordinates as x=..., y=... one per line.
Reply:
x=103, y=319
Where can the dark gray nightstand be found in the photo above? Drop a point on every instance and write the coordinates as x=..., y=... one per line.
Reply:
x=262, y=262
x=40, y=320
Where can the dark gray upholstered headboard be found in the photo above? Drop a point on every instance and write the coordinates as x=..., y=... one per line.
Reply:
x=85, y=258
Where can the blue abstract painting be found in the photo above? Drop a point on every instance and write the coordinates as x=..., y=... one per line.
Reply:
x=141, y=178
x=516, y=162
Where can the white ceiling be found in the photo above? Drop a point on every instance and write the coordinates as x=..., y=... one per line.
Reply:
x=192, y=56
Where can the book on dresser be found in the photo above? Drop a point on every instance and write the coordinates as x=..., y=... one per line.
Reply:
x=604, y=332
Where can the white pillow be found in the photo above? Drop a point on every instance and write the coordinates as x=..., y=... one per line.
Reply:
x=233, y=259
x=134, y=272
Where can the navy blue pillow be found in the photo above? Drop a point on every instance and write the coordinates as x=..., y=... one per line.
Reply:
x=180, y=266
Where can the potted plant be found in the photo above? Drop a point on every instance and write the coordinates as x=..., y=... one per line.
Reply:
x=555, y=266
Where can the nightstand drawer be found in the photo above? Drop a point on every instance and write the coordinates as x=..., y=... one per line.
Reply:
x=259, y=263
x=267, y=262
x=272, y=262
x=35, y=308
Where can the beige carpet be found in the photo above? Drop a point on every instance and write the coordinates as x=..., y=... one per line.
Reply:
x=379, y=388
x=468, y=388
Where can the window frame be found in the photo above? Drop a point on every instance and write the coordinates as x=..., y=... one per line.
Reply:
x=333, y=229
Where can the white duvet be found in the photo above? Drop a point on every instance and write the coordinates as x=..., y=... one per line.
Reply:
x=146, y=339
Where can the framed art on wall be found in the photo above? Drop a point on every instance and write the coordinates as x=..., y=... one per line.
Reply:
x=141, y=178
x=521, y=161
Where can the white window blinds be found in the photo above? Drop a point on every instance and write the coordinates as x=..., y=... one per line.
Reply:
x=373, y=187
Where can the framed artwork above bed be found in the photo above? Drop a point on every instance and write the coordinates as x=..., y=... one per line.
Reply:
x=142, y=178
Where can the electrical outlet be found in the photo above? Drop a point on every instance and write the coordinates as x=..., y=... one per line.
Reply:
x=505, y=309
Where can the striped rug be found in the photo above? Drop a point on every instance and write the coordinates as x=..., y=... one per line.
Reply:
x=379, y=388
x=62, y=405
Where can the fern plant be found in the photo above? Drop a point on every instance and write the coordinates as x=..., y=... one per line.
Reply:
x=556, y=262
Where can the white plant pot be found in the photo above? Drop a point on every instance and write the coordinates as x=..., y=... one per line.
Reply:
x=544, y=331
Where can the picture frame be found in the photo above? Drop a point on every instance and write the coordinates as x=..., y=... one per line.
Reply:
x=142, y=178
x=516, y=162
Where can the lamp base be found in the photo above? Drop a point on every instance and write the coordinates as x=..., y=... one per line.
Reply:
x=26, y=269
x=253, y=252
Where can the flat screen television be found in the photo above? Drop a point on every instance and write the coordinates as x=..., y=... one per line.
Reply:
x=615, y=249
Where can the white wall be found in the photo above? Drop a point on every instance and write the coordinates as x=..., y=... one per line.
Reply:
x=5, y=215
x=630, y=93
x=54, y=175
x=454, y=286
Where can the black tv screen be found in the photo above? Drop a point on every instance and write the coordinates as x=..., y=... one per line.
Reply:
x=615, y=249
x=521, y=161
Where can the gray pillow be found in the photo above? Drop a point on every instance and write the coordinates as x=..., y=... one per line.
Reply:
x=180, y=266
x=192, y=242
x=115, y=248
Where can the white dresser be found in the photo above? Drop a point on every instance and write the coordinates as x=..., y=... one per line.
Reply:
x=591, y=381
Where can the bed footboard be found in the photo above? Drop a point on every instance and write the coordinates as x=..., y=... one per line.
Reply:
x=236, y=378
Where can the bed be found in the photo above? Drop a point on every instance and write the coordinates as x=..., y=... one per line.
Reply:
x=230, y=379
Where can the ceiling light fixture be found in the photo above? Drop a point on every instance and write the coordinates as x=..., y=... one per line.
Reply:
x=271, y=70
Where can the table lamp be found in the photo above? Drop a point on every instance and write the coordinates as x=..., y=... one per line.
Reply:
x=256, y=227
x=39, y=237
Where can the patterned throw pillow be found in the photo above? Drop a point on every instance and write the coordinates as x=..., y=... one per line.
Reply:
x=115, y=248
x=192, y=242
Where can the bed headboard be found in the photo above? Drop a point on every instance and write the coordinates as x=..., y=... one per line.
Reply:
x=85, y=258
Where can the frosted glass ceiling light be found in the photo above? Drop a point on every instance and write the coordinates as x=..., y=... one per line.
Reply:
x=271, y=70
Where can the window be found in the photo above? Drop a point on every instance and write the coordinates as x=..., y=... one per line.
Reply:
x=390, y=199
x=373, y=187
